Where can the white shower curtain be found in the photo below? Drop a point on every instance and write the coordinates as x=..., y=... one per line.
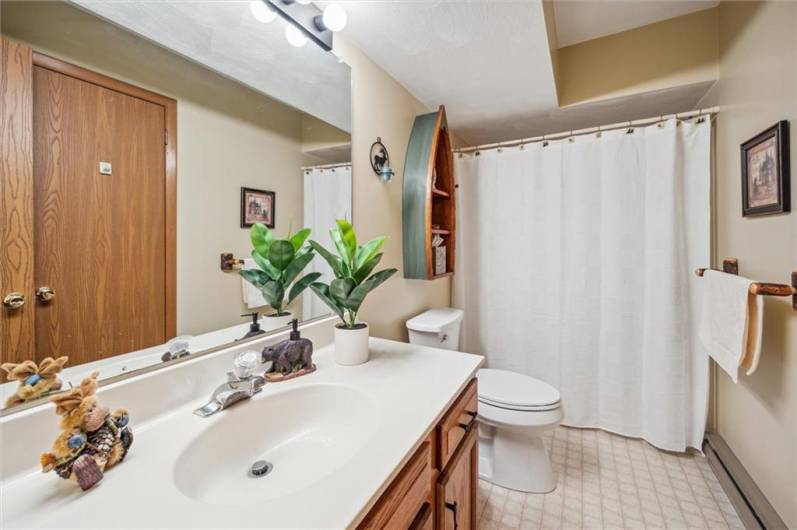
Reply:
x=327, y=197
x=575, y=265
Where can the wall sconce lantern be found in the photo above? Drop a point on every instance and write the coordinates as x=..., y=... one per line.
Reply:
x=380, y=161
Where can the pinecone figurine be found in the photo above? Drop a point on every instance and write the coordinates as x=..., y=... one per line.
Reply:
x=92, y=439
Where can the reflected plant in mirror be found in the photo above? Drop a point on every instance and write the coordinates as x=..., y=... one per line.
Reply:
x=280, y=263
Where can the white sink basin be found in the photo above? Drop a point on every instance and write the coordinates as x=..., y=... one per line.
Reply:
x=306, y=433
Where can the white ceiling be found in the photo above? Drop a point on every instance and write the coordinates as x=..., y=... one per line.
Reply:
x=226, y=38
x=486, y=61
x=489, y=61
x=583, y=20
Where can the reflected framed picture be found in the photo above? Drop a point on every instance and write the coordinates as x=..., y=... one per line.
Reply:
x=766, y=172
x=257, y=206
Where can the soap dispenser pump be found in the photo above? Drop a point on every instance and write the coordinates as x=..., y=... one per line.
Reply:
x=290, y=358
x=254, y=327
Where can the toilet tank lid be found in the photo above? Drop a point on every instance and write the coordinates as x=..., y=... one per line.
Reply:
x=434, y=320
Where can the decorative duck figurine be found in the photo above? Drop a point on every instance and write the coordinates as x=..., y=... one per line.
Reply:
x=91, y=440
x=35, y=380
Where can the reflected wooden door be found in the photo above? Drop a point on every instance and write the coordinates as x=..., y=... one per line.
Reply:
x=100, y=242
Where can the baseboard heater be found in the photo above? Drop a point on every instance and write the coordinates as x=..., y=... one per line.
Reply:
x=751, y=505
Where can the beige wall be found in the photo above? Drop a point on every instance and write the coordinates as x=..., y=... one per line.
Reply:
x=382, y=107
x=676, y=52
x=758, y=416
x=228, y=136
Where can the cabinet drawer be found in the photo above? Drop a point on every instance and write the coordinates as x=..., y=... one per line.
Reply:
x=459, y=421
x=402, y=503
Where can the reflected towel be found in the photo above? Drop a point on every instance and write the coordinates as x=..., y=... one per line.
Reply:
x=732, y=322
x=252, y=296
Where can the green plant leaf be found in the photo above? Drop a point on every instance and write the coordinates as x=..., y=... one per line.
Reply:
x=266, y=266
x=274, y=292
x=340, y=288
x=334, y=262
x=322, y=291
x=349, y=239
x=281, y=253
x=295, y=267
x=363, y=272
x=343, y=252
x=261, y=238
x=302, y=284
x=254, y=276
x=359, y=293
x=368, y=251
x=298, y=239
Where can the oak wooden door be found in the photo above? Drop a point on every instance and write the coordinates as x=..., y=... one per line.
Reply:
x=457, y=487
x=99, y=242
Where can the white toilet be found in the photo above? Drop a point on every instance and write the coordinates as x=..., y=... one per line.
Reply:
x=514, y=411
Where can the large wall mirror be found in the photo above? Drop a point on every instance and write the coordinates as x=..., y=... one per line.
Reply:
x=158, y=137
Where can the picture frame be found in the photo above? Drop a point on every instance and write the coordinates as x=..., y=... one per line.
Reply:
x=258, y=206
x=766, y=172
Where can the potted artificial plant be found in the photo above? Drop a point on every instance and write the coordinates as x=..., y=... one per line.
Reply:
x=352, y=267
x=280, y=263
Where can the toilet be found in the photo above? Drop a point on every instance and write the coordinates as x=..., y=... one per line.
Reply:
x=514, y=412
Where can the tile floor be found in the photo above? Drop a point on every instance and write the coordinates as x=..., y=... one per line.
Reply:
x=610, y=482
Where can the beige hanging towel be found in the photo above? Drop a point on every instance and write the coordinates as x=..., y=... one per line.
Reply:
x=732, y=322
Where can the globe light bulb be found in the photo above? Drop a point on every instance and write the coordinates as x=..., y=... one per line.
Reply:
x=261, y=11
x=305, y=2
x=334, y=17
x=295, y=36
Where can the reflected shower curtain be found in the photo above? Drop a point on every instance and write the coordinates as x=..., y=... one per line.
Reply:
x=327, y=197
x=575, y=266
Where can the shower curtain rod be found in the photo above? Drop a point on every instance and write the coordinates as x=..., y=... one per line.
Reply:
x=590, y=130
x=327, y=166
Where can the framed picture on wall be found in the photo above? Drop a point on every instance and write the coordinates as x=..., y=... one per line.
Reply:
x=257, y=206
x=765, y=172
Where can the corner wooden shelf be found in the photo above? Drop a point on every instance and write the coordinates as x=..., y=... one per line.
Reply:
x=428, y=201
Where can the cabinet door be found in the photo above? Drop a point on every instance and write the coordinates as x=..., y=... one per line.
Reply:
x=456, y=489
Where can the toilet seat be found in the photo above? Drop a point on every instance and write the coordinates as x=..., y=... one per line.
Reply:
x=517, y=392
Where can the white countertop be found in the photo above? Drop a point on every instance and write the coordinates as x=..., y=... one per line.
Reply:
x=411, y=385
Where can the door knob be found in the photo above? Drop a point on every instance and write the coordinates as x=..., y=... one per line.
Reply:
x=14, y=300
x=45, y=294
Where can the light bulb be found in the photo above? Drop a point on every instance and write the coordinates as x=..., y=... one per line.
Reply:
x=261, y=11
x=305, y=2
x=295, y=36
x=334, y=17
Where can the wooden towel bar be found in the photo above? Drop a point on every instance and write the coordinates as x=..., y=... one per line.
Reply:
x=731, y=266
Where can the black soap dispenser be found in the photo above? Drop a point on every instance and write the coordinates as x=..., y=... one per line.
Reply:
x=254, y=327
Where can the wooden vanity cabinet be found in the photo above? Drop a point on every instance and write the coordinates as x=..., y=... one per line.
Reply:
x=437, y=488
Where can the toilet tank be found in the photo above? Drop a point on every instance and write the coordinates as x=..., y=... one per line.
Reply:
x=438, y=328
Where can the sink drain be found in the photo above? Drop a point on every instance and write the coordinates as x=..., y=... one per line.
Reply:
x=261, y=468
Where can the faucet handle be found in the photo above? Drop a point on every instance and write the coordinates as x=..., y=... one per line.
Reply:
x=245, y=363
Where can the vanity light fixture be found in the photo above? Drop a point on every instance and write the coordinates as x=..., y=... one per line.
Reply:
x=262, y=11
x=307, y=21
x=294, y=36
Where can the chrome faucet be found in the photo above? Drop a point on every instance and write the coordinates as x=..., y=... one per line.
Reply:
x=240, y=385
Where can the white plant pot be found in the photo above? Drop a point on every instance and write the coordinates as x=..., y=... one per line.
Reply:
x=272, y=322
x=351, y=345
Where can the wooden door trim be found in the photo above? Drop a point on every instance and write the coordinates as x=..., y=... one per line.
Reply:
x=170, y=164
x=17, y=332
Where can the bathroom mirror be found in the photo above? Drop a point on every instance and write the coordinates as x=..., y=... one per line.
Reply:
x=157, y=139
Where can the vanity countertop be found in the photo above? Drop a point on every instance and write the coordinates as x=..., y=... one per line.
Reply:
x=408, y=387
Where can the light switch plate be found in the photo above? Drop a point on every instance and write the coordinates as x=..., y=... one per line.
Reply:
x=106, y=168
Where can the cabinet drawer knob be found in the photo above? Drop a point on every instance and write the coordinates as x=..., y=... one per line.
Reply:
x=45, y=294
